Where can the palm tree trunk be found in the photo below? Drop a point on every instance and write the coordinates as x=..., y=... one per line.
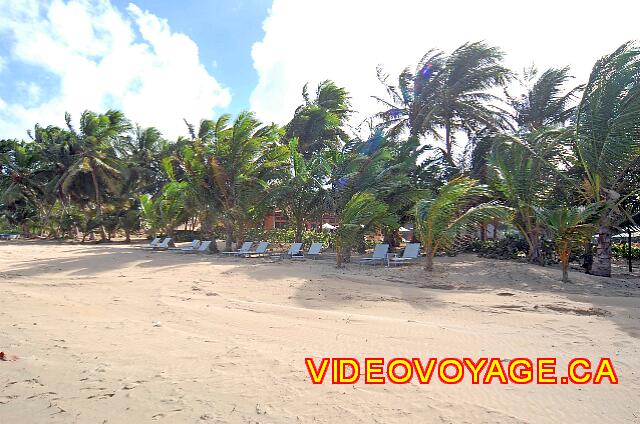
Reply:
x=564, y=263
x=602, y=261
x=428, y=260
x=448, y=143
x=96, y=188
x=535, y=251
x=228, y=228
x=299, y=229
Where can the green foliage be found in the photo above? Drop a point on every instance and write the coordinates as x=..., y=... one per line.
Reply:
x=512, y=246
x=621, y=250
x=288, y=235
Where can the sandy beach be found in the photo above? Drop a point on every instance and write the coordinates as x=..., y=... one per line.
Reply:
x=118, y=334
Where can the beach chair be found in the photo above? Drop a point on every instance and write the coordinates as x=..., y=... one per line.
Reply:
x=261, y=250
x=191, y=248
x=153, y=243
x=164, y=245
x=411, y=253
x=204, y=247
x=313, y=252
x=243, y=249
x=294, y=250
x=379, y=255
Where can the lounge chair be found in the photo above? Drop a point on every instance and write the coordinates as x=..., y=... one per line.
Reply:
x=411, y=253
x=243, y=249
x=313, y=252
x=191, y=248
x=164, y=245
x=379, y=255
x=153, y=243
x=203, y=247
x=261, y=250
x=294, y=250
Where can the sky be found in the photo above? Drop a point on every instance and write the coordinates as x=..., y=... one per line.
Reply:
x=162, y=61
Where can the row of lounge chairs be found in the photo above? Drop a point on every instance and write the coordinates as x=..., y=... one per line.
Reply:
x=380, y=253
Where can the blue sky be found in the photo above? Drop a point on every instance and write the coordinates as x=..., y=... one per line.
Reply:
x=224, y=31
x=162, y=61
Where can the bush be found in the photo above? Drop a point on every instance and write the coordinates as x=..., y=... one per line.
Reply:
x=510, y=247
x=621, y=250
x=287, y=235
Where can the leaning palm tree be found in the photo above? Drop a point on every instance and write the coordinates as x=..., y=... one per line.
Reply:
x=607, y=141
x=456, y=209
x=569, y=226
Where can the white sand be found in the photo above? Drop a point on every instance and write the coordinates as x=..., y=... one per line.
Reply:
x=234, y=333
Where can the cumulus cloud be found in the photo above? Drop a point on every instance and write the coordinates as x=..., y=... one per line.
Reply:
x=104, y=58
x=309, y=41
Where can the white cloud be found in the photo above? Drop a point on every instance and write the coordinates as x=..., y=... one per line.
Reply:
x=3, y=63
x=92, y=49
x=309, y=41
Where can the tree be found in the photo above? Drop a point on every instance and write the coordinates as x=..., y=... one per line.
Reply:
x=361, y=214
x=244, y=158
x=456, y=209
x=447, y=94
x=546, y=102
x=607, y=141
x=300, y=191
x=569, y=226
x=95, y=154
x=317, y=124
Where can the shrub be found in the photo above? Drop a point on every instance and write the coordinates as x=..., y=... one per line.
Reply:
x=621, y=250
x=510, y=247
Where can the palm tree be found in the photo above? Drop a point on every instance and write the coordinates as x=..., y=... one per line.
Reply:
x=569, y=226
x=545, y=102
x=361, y=214
x=300, y=190
x=94, y=146
x=447, y=94
x=607, y=141
x=456, y=209
x=244, y=158
x=21, y=183
x=523, y=171
x=466, y=104
x=317, y=124
x=411, y=106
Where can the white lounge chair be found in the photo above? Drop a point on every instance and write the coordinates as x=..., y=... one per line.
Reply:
x=153, y=243
x=243, y=249
x=164, y=245
x=313, y=252
x=191, y=248
x=411, y=253
x=261, y=250
x=379, y=255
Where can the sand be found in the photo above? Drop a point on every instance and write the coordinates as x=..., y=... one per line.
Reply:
x=118, y=334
